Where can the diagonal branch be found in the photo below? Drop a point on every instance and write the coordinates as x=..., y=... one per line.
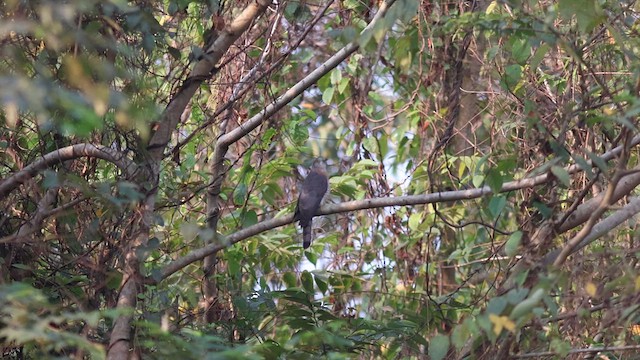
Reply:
x=606, y=201
x=610, y=222
x=218, y=169
x=202, y=71
x=296, y=90
x=217, y=166
x=241, y=90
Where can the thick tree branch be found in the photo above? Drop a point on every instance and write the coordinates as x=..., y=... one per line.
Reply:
x=626, y=184
x=202, y=71
x=244, y=85
x=33, y=224
x=604, y=226
x=607, y=200
x=610, y=222
x=120, y=342
x=68, y=153
x=120, y=339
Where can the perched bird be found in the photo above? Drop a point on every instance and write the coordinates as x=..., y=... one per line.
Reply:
x=313, y=190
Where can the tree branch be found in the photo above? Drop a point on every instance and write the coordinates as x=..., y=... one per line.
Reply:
x=239, y=93
x=607, y=200
x=598, y=230
x=120, y=342
x=64, y=154
x=202, y=71
x=626, y=183
x=349, y=206
x=583, y=212
x=238, y=133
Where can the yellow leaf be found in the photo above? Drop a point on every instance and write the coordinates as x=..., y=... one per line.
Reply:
x=492, y=7
x=510, y=325
x=501, y=322
x=637, y=283
x=591, y=289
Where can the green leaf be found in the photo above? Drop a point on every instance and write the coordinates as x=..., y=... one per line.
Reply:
x=539, y=55
x=21, y=266
x=584, y=166
x=477, y=180
x=349, y=34
x=384, y=145
x=336, y=76
x=597, y=161
x=525, y=306
x=268, y=135
x=114, y=279
x=438, y=347
x=322, y=285
x=371, y=144
x=495, y=180
x=515, y=296
x=561, y=174
x=588, y=13
x=344, y=83
x=234, y=262
x=290, y=279
x=415, y=220
x=512, y=76
x=513, y=244
x=403, y=53
x=561, y=347
x=249, y=218
x=521, y=50
x=50, y=179
x=543, y=209
x=365, y=163
x=307, y=281
x=240, y=194
x=311, y=256
x=497, y=305
x=300, y=133
x=327, y=95
x=462, y=333
x=496, y=205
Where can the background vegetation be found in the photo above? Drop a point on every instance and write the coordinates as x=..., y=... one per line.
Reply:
x=483, y=169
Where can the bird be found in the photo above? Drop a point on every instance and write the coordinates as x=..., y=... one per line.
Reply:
x=313, y=189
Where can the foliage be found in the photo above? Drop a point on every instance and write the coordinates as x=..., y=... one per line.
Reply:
x=44, y=328
x=455, y=100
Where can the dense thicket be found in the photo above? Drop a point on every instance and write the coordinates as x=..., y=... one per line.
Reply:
x=482, y=158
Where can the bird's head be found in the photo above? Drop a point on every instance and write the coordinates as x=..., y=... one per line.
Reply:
x=319, y=165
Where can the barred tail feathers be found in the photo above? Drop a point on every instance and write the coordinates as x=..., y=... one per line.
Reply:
x=306, y=236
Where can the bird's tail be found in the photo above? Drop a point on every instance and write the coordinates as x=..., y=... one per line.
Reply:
x=306, y=236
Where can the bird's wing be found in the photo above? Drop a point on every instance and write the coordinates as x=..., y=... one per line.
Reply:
x=306, y=202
